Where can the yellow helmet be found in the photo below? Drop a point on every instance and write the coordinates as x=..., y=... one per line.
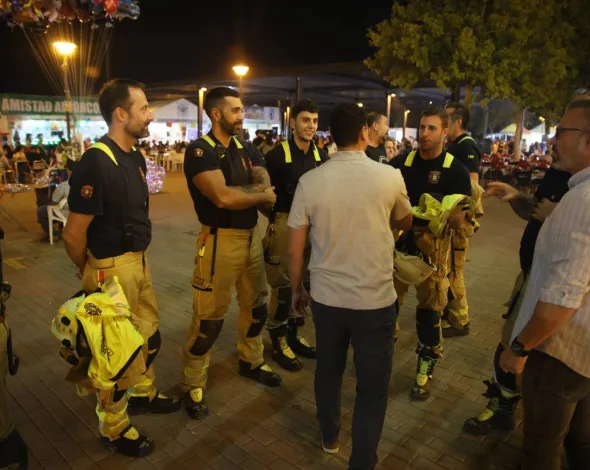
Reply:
x=65, y=324
x=411, y=270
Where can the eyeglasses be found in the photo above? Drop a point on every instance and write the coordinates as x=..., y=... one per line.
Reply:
x=560, y=129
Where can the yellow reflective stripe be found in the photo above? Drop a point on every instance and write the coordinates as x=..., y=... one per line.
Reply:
x=105, y=148
x=410, y=158
x=238, y=143
x=448, y=160
x=133, y=148
x=209, y=140
x=467, y=137
x=287, y=149
x=316, y=154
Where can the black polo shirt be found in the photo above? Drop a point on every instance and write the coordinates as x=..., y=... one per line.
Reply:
x=377, y=154
x=429, y=176
x=236, y=164
x=552, y=187
x=100, y=188
x=465, y=149
x=285, y=176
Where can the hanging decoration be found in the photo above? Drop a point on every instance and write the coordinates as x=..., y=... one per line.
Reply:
x=155, y=176
x=38, y=15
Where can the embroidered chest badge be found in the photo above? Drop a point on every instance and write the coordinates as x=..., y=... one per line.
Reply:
x=434, y=177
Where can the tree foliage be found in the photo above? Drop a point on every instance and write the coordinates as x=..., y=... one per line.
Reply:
x=531, y=52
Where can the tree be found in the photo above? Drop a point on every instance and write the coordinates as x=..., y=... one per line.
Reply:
x=440, y=40
x=514, y=49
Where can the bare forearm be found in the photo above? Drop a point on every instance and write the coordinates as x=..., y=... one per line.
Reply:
x=474, y=177
x=238, y=199
x=523, y=206
x=261, y=177
x=76, y=248
x=545, y=322
x=295, y=268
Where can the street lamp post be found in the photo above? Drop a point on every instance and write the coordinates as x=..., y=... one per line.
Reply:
x=406, y=112
x=66, y=49
x=390, y=96
x=202, y=91
x=240, y=71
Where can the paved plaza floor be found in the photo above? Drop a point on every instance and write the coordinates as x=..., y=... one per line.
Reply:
x=250, y=427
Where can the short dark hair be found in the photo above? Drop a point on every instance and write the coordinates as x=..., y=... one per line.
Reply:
x=115, y=94
x=373, y=117
x=217, y=96
x=460, y=111
x=584, y=105
x=304, y=106
x=441, y=113
x=346, y=121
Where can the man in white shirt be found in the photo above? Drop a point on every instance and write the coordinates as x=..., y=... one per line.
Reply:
x=348, y=206
x=61, y=192
x=552, y=332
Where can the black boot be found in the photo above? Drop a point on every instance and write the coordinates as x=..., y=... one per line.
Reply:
x=195, y=404
x=13, y=450
x=424, y=370
x=282, y=353
x=160, y=404
x=499, y=413
x=297, y=343
x=450, y=331
x=262, y=374
x=130, y=443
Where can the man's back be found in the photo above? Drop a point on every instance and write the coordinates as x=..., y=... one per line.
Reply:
x=348, y=203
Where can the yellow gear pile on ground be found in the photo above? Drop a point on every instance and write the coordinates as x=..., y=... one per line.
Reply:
x=97, y=336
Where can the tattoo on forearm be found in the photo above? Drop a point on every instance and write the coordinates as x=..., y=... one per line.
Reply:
x=260, y=176
x=250, y=188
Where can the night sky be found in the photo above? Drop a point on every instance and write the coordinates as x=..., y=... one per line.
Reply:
x=183, y=39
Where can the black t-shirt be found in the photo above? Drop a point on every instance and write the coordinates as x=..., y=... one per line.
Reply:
x=236, y=164
x=429, y=176
x=465, y=149
x=552, y=187
x=285, y=176
x=377, y=153
x=100, y=188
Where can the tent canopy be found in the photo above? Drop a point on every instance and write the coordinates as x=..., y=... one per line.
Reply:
x=180, y=110
x=511, y=129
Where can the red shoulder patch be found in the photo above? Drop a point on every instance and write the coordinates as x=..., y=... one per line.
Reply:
x=199, y=152
x=87, y=191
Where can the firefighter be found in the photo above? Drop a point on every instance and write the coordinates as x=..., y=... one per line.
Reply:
x=463, y=147
x=227, y=181
x=436, y=172
x=107, y=234
x=286, y=163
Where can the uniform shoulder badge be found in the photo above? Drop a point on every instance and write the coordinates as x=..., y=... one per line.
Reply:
x=92, y=309
x=434, y=177
x=199, y=152
x=87, y=191
x=471, y=156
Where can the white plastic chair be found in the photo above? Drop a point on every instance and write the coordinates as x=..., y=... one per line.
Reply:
x=55, y=214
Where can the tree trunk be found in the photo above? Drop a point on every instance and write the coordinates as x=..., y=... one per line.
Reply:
x=468, y=95
x=456, y=93
x=486, y=117
x=518, y=134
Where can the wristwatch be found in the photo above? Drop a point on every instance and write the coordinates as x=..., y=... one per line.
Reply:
x=518, y=349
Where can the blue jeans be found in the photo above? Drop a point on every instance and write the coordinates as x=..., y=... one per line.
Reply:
x=371, y=334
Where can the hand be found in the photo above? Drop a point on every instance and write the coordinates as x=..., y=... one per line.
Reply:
x=511, y=363
x=543, y=209
x=270, y=196
x=502, y=190
x=457, y=220
x=80, y=272
x=300, y=299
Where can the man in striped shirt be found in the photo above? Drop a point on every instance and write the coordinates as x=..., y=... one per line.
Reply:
x=552, y=332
